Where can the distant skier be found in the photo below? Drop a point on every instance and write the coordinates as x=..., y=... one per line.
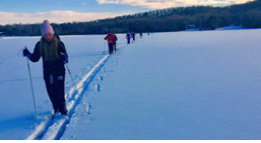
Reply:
x=128, y=37
x=110, y=38
x=140, y=35
x=115, y=44
x=133, y=36
x=54, y=56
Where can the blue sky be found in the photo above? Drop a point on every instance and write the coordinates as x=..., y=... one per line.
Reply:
x=33, y=6
x=60, y=11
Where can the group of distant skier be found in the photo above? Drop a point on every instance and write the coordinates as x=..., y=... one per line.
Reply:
x=54, y=56
x=129, y=36
x=112, y=38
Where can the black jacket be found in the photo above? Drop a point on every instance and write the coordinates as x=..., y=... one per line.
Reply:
x=51, y=67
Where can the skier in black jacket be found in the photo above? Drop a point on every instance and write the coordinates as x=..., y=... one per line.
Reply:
x=54, y=56
x=133, y=35
x=128, y=36
x=115, y=42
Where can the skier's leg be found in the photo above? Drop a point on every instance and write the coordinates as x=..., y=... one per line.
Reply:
x=110, y=48
x=51, y=90
x=61, y=102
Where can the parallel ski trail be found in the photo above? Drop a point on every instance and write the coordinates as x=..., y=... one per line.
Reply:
x=52, y=128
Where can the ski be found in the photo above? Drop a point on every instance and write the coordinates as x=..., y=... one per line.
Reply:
x=55, y=131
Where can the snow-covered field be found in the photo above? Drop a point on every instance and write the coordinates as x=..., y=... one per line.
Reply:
x=182, y=85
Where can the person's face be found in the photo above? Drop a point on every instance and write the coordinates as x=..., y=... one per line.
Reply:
x=48, y=36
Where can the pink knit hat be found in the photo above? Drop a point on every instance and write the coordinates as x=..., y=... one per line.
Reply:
x=46, y=27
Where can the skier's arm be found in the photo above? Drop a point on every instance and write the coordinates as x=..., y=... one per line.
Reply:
x=35, y=56
x=63, y=53
x=106, y=37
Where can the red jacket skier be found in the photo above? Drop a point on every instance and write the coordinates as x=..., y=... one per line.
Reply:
x=110, y=38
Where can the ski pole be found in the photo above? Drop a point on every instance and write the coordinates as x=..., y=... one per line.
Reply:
x=76, y=88
x=32, y=88
x=104, y=48
x=85, y=109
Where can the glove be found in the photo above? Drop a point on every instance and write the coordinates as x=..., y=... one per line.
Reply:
x=64, y=57
x=26, y=52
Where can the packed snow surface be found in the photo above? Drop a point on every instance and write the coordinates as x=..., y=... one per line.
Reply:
x=181, y=85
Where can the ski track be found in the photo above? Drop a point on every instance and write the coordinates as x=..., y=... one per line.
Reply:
x=52, y=128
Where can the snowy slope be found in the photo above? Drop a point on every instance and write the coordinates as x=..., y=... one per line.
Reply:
x=183, y=85
x=186, y=85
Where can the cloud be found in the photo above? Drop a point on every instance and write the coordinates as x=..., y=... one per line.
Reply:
x=160, y=4
x=52, y=16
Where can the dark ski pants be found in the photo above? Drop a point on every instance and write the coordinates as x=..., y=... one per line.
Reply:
x=110, y=48
x=55, y=88
x=128, y=41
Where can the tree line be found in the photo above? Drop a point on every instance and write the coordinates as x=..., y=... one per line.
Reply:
x=247, y=15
